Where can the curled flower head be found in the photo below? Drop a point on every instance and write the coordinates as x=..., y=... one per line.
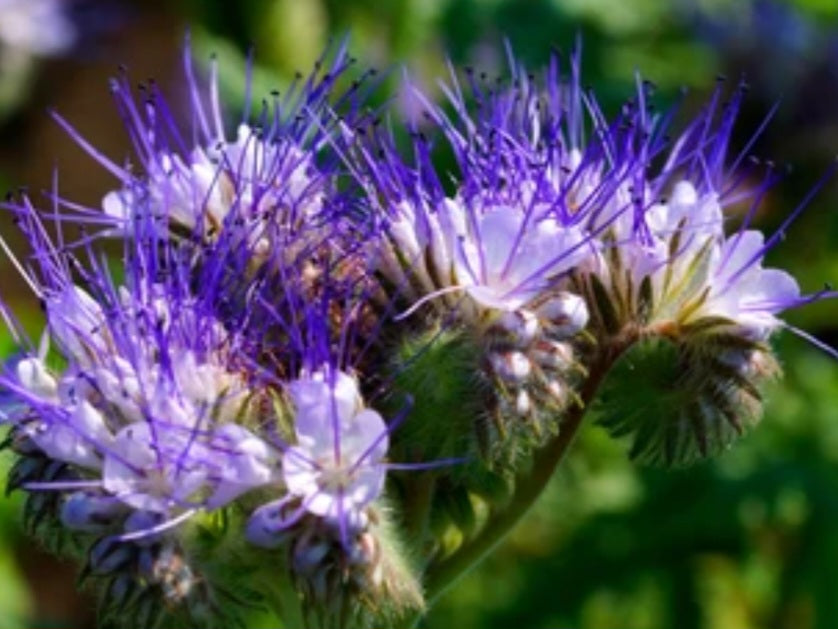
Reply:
x=688, y=269
x=278, y=174
x=495, y=255
x=148, y=401
x=514, y=226
x=139, y=411
x=327, y=513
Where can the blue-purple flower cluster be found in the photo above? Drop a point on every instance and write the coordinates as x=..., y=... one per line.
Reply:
x=252, y=363
x=549, y=188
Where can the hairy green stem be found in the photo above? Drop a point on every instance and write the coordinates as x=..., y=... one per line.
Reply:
x=528, y=487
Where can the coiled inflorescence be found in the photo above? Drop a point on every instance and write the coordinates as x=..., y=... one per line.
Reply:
x=326, y=378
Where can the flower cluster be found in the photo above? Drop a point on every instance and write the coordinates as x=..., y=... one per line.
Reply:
x=324, y=376
x=563, y=221
x=211, y=378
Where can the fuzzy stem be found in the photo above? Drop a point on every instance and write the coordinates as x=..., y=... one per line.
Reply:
x=529, y=485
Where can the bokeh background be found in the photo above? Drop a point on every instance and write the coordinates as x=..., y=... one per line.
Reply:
x=746, y=541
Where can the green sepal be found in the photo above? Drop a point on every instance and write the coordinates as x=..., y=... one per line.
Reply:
x=605, y=308
x=399, y=593
x=706, y=324
x=24, y=470
x=645, y=300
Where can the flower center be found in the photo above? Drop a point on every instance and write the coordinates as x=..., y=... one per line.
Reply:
x=336, y=478
x=157, y=483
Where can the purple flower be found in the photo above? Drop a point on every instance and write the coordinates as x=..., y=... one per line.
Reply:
x=240, y=369
x=697, y=271
x=505, y=263
x=679, y=240
x=550, y=188
x=276, y=178
x=249, y=178
x=333, y=460
x=335, y=468
x=149, y=405
x=745, y=292
x=526, y=209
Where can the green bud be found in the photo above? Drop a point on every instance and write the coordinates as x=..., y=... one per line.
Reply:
x=686, y=397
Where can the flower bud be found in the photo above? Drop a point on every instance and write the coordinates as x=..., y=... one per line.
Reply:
x=554, y=355
x=33, y=375
x=140, y=521
x=521, y=324
x=558, y=391
x=309, y=553
x=512, y=367
x=91, y=513
x=523, y=404
x=267, y=526
x=110, y=555
x=567, y=313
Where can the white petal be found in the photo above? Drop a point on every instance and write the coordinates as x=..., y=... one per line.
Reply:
x=683, y=194
x=246, y=462
x=299, y=472
x=116, y=204
x=366, y=436
x=77, y=321
x=452, y=219
x=323, y=504
x=33, y=376
x=125, y=468
x=368, y=485
x=320, y=404
x=772, y=291
x=657, y=218
x=499, y=231
x=739, y=250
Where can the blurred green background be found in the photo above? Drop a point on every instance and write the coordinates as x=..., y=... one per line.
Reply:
x=746, y=541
